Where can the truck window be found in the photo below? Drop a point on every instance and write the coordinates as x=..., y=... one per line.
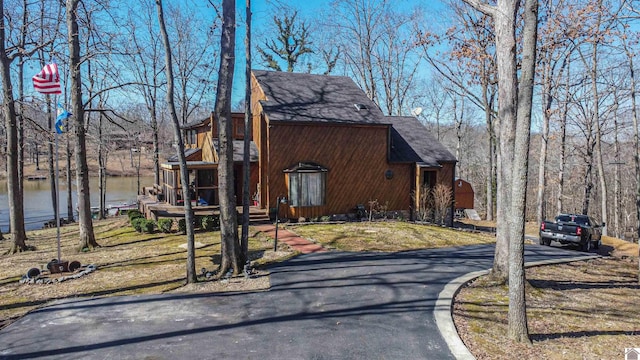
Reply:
x=580, y=219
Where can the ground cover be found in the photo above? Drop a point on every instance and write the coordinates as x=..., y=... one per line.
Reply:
x=128, y=263
x=387, y=236
x=580, y=310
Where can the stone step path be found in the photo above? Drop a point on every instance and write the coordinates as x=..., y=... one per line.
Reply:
x=294, y=241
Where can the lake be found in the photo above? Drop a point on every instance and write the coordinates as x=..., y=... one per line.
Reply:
x=38, y=207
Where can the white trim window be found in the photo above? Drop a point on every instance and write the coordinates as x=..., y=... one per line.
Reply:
x=307, y=185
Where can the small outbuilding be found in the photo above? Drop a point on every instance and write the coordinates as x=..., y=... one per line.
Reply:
x=463, y=194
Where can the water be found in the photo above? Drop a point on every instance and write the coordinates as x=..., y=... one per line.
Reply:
x=38, y=207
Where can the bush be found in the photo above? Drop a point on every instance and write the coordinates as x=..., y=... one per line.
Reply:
x=136, y=223
x=197, y=221
x=182, y=226
x=325, y=218
x=165, y=225
x=210, y=222
x=134, y=214
x=148, y=226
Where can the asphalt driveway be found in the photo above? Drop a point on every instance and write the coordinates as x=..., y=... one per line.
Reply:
x=331, y=305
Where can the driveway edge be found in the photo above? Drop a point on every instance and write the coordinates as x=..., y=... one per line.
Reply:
x=444, y=305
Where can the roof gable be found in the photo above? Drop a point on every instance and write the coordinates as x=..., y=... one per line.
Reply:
x=412, y=142
x=315, y=98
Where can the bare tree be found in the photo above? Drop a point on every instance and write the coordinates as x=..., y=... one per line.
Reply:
x=231, y=259
x=246, y=165
x=87, y=238
x=192, y=55
x=514, y=114
x=375, y=50
x=184, y=173
x=16, y=209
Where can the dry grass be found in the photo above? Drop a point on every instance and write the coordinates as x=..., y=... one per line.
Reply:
x=386, y=236
x=581, y=310
x=128, y=263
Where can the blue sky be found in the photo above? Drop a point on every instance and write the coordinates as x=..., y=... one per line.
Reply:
x=262, y=13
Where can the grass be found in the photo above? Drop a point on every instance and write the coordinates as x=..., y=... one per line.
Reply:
x=580, y=310
x=128, y=263
x=386, y=236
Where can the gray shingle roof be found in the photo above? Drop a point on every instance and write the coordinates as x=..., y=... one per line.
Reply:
x=412, y=142
x=315, y=98
x=187, y=152
x=238, y=150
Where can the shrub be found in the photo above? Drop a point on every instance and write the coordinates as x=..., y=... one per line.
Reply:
x=197, y=221
x=134, y=214
x=165, y=225
x=182, y=226
x=148, y=226
x=136, y=223
x=325, y=218
x=210, y=222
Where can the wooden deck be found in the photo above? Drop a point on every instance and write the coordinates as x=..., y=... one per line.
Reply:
x=154, y=209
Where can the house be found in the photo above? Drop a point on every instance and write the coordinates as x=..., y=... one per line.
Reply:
x=201, y=152
x=326, y=147
x=319, y=147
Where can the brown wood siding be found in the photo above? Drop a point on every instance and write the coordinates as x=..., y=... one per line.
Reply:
x=259, y=130
x=356, y=157
x=238, y=126
x=239, y=181
x=464, y=194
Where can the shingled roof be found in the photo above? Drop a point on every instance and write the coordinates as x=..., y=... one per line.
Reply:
x=315, y=98
x=238, y=150
x=412, y=142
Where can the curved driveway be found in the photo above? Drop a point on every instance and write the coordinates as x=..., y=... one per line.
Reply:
x=331, y=305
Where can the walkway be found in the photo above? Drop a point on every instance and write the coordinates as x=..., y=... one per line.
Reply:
x=294, y=241
x=326, y=305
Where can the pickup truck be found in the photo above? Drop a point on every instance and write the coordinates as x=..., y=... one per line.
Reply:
x=572, y=228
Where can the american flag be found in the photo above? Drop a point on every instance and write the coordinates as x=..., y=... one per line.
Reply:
x=47, y=81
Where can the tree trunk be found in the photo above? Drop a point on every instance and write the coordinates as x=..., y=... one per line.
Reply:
x=87, y=238
x=504, y=20
x=16, y=209
x=546, y=115
x=489, y=121
x=177, y=134
x=518, y=328
x=596, y=120
x=246, y=165
x=102, y=174
x=563, y=140
x=616, y=171
x=51, y=160
x=230, y=249
x=70, y=216
x=636, y=141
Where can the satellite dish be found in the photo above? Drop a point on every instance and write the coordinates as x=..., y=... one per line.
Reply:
x=417, y=111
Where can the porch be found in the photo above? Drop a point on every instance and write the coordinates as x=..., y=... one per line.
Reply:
x=154, y=209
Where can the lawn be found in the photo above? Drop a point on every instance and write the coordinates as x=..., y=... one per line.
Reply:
x=581, y=310
x=387, y=236
x=128, y=263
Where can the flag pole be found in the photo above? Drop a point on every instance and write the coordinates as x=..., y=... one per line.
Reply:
x=57, y=182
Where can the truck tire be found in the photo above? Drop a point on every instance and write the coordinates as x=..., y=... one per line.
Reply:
x=586, y=247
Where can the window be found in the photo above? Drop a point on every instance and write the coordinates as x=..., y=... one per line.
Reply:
x=307, y=184
x=191, y=137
